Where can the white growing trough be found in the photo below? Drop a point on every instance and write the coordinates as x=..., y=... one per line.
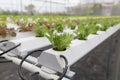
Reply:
x=27, y=45
x=50, y=59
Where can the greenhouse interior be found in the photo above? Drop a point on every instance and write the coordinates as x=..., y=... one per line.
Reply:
x=59, y=39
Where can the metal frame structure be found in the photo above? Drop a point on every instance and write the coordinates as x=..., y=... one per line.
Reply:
x=57, y=3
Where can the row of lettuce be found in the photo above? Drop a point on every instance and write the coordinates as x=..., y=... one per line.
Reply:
x=59, y=30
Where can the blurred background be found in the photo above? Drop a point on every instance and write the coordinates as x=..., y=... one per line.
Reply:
x=60, y=7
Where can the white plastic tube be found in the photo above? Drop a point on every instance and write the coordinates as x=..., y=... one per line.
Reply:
x=31, y=67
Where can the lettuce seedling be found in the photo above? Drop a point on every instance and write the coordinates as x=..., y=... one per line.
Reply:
x=92, y=29
x=105, y=25
x=82, y=33
x=59, y=26
x=72, y=25
x=61, y=41
x=3, y=32
x=40, y=30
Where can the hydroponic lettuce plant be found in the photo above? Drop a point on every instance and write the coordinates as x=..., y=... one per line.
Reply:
x=72, y=25
x=40, y=30
x=49, y=24
x=39, y=22
x=11, y=32
x=92, y=29
x=4, y=31
x=60, y=41
x=77, y=21
x=113, y=22
x=82, y=33
x=26, y=26
x=59, y=27
x=105, y=25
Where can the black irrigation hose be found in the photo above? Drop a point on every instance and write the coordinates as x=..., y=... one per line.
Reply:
x=6, y=61
x=65, y=69
x=9, y=49
x=3, y=41
x=20, y=66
